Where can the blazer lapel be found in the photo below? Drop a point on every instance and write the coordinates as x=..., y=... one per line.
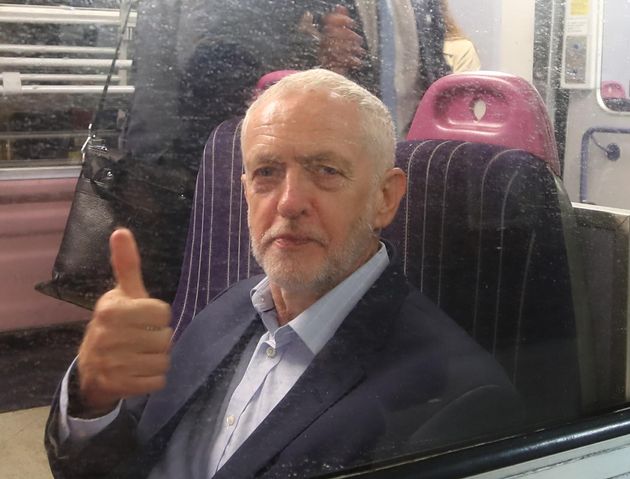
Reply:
x=337, y=369
x=204, y=345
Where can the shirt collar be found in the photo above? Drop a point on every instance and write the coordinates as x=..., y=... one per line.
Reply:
x=317, y=324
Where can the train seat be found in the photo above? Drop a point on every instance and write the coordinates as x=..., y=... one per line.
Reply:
x=488, y=232
x=483, y=232
x=487, y=107
x=217, y=248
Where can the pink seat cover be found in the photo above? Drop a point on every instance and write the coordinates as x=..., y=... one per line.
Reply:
x=612, y=89
x=269, y=79
x=515, y=114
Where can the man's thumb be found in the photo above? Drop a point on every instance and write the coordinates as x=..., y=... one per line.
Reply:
x=125, y=260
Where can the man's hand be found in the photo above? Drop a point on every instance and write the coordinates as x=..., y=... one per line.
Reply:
x=340, y=47
x=125, y=351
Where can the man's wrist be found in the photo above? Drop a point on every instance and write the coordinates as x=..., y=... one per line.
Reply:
x=76, y=406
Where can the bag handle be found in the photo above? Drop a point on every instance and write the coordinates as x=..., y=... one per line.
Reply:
x=101, y=104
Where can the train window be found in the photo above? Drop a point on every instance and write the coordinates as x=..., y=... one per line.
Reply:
x=55, y=59
x=615, y=68
x=498, y=335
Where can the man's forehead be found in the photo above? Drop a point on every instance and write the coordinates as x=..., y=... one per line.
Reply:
x=309, y=122
x=300, y=105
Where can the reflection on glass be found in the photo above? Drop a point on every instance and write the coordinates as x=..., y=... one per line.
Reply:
x=537, y=288
x=333, y=337
x=459, y=51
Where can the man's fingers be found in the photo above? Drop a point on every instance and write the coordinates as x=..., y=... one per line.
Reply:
x=149, y=365
x=133, y=365
x=125, y=260
x=136, y=341
x=118, y=311
x=138, y=386
x=338, y=17
x=340, y=9
x=119, y=388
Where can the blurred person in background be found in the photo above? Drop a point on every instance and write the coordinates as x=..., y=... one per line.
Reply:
x=459, y=52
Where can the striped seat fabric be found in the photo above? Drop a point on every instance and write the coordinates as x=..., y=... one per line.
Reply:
x=217, y=249
x=483, y=232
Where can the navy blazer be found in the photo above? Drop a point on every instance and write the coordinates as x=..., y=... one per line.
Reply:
x=397, y=377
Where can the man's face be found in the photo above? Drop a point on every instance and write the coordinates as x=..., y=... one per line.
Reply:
x=310, y=190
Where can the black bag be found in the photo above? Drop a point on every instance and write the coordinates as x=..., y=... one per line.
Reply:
x=115, y=189
x=152, y=200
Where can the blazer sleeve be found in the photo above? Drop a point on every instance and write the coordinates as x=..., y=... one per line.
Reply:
x=96, y=457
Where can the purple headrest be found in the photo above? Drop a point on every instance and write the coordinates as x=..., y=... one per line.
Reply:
x=487, y=107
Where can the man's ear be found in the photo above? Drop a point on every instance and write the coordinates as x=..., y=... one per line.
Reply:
x=391, y=189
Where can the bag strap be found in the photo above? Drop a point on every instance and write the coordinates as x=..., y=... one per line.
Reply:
x=112, y=68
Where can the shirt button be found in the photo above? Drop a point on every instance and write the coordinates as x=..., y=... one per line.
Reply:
x=229, y=420
x=271, y=352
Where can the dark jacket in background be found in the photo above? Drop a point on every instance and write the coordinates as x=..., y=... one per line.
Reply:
x=197, y=62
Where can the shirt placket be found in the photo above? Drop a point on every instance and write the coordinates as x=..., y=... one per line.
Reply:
x=267, y=356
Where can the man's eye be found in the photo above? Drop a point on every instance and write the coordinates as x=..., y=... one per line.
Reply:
x=265, y=172
x=328, y=170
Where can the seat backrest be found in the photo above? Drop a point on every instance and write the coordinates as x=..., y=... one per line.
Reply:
x=217, y=249
x=482, y=231
x=487, y=107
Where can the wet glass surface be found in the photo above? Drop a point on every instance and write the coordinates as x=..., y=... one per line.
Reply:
x=487, y=232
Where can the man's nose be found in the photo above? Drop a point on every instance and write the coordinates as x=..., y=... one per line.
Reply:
x=294, y=196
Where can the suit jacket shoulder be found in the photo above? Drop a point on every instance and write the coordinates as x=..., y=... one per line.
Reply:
x=399, y=376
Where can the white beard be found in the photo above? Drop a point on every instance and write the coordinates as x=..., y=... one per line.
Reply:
x=289, y=274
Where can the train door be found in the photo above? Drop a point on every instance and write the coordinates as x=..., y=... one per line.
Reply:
x=596, y=166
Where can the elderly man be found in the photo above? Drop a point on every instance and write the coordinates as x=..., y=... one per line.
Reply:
x=331, y=360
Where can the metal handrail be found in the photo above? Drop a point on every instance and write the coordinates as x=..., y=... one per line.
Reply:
x=39, y=135
x=70, y=89
x=12, y=48
x=62, y=15
x=62, y=62
x=64, y=77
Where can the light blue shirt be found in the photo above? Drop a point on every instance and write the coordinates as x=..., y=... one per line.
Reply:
x=280, y=357
x=284, y=353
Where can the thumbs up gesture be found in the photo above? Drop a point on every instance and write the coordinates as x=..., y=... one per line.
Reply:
x=125, y=350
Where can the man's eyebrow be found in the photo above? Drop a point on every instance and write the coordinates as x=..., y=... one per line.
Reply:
x=264, y=159
x=328, y=157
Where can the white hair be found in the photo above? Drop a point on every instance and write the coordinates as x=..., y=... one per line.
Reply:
x=375, y=120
